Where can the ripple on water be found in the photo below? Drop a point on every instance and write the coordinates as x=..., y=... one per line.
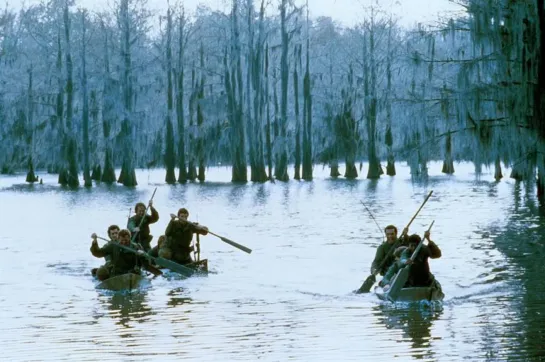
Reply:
x=291, y=298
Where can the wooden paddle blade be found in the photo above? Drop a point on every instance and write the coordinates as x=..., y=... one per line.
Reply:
x=178, y=268
x=398, y=283
x=367, y=284
x=236, y=245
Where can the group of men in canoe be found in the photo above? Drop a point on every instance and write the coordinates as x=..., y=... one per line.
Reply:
x=395, y=253
x=174, y=245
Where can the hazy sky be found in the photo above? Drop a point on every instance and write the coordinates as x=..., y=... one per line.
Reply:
x=347, y=12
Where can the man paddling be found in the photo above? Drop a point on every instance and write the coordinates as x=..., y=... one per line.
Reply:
x=122, y=261
x=143, y=236
x=179, y=234
x=383, y=257
x=419, y=274
x=113, y=233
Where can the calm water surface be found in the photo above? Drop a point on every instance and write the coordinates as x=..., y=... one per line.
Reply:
x=291, y=299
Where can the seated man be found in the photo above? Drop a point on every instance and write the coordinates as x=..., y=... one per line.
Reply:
x=179, y=234
x=383, y=258
x=419, y=273
x=113, y=232
x=155, y=250
x=122, y=261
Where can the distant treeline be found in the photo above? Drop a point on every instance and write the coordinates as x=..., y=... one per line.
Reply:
x=89, y=92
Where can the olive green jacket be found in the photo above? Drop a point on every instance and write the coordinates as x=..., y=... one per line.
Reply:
x=121, y=262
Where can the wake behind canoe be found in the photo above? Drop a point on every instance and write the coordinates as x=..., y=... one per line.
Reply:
x=129, y=281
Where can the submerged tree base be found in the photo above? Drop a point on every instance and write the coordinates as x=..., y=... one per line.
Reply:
x=351, y=172
x=127, y=177
x=448, y=167
x=30, y=176
x=334, y=171
x=182, y=175
x=96, y=174
x=68, y=179
x=498, y=175
x=390, y=168
x=374, y=171
x=170, y=177
x=258, y=174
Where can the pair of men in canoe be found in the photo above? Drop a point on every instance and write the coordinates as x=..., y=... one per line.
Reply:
x=174, y=245
x=387, y=262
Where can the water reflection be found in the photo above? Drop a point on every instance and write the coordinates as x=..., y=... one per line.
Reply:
x=491, y=271
x=521, y=240
x=128, y=307
x=177, y=297
x=236, y=194
x=261, y=194
x=415, y=321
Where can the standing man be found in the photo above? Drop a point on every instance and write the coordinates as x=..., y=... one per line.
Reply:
x=140, y=222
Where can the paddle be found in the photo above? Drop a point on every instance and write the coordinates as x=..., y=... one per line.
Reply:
x=371, y=279
x=403, y=275
x=149, y=268
x=165, y=263
x=224, y=239
x=143, y=217
x=372, y=217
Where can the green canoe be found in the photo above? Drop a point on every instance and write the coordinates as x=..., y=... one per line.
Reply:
x=129, y=281
x=414, y=294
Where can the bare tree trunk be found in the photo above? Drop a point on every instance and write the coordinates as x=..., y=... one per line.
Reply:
x=307, y=114
x=390, y=165
x=334, y=166
x=258, y=173
x=69, y=176
x=497, y=169
x=268, y=133
x=170, y=156
x=281, y=167
x=448, y=164
x=182, y=175
x=56, y=165
x=109, y=101
x=30, y=176
x=200, y=122
x=128, y=175
x=251, y=63
x=349, y=129
x=86, y=166
x=96, y=173
x=297, y=167
x=192, y=170
x=374, y=170
x=238, y=140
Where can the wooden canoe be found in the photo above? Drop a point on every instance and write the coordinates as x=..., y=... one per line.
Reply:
x=129, y=281
x=414, y=294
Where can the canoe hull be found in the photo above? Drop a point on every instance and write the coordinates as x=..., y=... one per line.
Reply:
x=129, y=281
x=200, y=267
x=414, y=294
x=196, y=268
